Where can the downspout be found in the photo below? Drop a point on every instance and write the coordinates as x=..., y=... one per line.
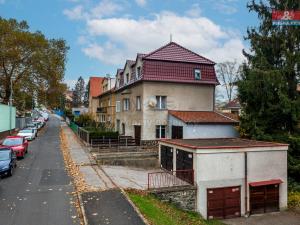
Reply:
x=246, y=184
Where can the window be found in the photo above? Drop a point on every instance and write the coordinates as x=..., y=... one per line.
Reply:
x=126, y=104
x=127, y=78
x=161, y=102
x=109, y=102
x=108, y=119
x=197, y=73
x=102, y=118
x=160, y=131
x=118, y=106
x=138, y=103
x=138, y=72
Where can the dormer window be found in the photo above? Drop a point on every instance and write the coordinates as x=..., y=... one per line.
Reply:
x=197, y=74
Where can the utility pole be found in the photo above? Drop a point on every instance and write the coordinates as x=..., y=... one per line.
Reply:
x=10, y=106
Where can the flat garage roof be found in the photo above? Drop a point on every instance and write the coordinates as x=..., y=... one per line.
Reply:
x=213, y=143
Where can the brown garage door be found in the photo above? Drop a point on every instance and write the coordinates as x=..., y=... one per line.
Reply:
x=223, y=203
x=264, y=199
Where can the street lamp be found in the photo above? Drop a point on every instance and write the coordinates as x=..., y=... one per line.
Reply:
x=10, y=106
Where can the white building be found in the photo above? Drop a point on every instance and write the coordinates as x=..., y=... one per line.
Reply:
x=233, y=176
x=200, y=124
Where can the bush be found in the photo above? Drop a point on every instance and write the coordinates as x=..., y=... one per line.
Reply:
x=294, y=200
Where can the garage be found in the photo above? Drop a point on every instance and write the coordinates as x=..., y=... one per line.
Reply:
x=223, y=203
x=264, y=197
x=184, y=163
x=166, y=157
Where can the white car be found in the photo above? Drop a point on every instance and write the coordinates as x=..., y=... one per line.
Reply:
x=28, y=133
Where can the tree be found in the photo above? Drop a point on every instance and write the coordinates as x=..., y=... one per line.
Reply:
x=228, y=74
x=268, y=87
x=33, y=63
x=79, y=92
x=86, y=95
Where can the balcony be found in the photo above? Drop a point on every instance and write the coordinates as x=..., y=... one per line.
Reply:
x=101, y=110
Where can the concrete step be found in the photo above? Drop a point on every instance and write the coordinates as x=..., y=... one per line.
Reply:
x=125, y=155
x=145, y=163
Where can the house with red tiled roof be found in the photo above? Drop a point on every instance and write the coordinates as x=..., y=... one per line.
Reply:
x=95, y=89
x=169, y=78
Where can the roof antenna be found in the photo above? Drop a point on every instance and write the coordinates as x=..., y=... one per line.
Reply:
x=171, y=36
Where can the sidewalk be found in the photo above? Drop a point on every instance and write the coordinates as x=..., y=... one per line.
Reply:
x=94, y=177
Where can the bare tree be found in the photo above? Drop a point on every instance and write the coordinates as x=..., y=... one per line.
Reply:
x=228, y=74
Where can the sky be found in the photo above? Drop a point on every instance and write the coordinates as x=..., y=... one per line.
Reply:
x=102, y=34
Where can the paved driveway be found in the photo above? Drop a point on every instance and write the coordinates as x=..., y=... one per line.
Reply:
x=280, y=218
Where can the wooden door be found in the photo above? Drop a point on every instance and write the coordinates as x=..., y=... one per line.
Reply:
x=264, y=199
x=223, y=203
x=137, y=134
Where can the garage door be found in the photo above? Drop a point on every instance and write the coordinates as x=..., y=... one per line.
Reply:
x=264, y=199
x=184, y=162
x=223, y=203
x=166, y=156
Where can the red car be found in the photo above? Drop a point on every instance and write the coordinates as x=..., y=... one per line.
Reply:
x=18, y=144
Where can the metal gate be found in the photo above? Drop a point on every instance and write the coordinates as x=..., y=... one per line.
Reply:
x=166, y=157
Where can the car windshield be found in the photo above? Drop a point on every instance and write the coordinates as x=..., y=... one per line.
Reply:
x=26, y=131
x=12, y=141
x=4, y=155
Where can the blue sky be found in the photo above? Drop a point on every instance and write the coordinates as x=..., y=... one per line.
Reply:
x=102, y=34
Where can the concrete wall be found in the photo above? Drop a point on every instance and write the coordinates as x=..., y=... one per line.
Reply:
x=191, y=131
x=179, y=97
x=4, y=118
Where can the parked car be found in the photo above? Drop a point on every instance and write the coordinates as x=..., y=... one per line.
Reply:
x=33, y=126
x=17, y=143
x=28, y=133
x=38, y=124
x=8, y=161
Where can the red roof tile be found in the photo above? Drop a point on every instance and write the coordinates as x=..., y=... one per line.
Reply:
x=95, y=86
x=204, y=117
x=235, y=103
x=177, y=53
x=266, y=182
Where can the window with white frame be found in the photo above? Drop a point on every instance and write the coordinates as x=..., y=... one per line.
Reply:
x=160, y=131
x=102, y=118
x=126, y=104
x=161, y=102
x=118, y=106
x=197, y=73
x=138, y=103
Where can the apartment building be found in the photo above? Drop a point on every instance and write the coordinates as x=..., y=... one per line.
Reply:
x=149, y=87
x=106, y=105
x=95, y=89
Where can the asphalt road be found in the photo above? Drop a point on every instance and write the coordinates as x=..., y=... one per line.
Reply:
x=38, y=193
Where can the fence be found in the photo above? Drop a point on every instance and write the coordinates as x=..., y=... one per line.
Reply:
x=121, y=141
x=74, y=127
x=83, y=134
x=165, y=179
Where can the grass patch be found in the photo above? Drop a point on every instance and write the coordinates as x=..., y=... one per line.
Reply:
x=160, y=213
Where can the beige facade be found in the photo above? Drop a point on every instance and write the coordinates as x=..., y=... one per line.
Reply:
x=179, y=96
x=106, y=109
x=93, y=105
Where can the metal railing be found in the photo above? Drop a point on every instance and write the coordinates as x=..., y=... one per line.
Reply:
x=165, y=179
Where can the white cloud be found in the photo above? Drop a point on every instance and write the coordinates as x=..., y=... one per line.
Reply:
x=141, y=2
x=2, y=1
x=194, y=11
x=102, y=9
x=226, y=6
x=128, y=36
x=76, y=13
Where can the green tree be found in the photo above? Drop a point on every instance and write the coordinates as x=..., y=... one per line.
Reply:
x=268, y=86
x=33, y=63
x=79, y=92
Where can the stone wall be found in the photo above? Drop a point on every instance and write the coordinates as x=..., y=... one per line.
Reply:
x=183, y=197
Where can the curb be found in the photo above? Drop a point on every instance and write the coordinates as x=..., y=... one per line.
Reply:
x=134, y=207
x=82, y=209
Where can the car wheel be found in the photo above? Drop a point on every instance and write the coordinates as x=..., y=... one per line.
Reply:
x=10, y=172
x=23, y=155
